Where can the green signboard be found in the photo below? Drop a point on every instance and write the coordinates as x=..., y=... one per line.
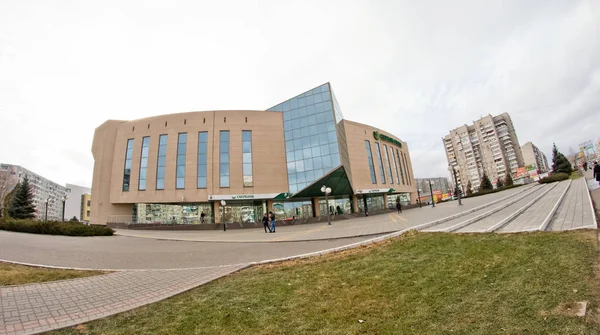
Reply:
x=388, y=139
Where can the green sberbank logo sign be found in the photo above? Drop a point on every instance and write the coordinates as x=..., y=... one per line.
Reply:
x=382, y=137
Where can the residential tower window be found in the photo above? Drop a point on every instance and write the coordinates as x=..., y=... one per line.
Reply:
x=127, y=169
x=387, y=163
x=378, y=152
x=144, y=163
x=202, y=158
x=247, y=157
x=161, y=162
x=224, y=158
x=370, y=162
x=181, y=150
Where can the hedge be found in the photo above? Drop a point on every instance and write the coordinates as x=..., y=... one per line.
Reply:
x=554, y=178
x=486, y=191
x=54, y=228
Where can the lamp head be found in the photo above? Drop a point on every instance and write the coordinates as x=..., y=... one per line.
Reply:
x=328, y=190
x=223, y=202
x=323, y=188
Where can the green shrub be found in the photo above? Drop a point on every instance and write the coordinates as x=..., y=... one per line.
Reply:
x=554, y=178
x=54, y=228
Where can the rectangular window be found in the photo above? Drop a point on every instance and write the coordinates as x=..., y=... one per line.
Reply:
x=247, y=157
x=144, y=163
x=224, y=158
x=181, y=150
x=388, y=164
x=161, y=162
x=378, y=152
x=406, y=167
x=400, y=165
x=202, y=158
x=127, y=169
x=370, y=162
x=395, y=165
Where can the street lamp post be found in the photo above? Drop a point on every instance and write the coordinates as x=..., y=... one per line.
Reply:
x=64, y=199
x=327, y=190
x=223, y=203
x=456, y=184
x=419, y=197
x=46, y=202
x=431, y=192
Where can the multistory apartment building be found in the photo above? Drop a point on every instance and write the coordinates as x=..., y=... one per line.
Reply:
x=488, y=146
x=73, y=207
x=532, y=155
x=45, y=192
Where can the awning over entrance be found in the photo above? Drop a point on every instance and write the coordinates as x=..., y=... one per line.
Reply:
x=337, y=180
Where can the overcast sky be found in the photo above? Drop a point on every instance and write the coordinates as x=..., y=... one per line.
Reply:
x=413, y=68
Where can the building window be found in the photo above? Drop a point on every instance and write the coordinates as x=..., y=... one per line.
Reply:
x=378, y=152
x=224, y=158
x=247, y=157
x=395, y=166
x=202, y=158
x=370, y=161
x=181, y=149
x=406, y=167
x=127, y=169
x=400, y=164
x=89, y=203
x=144, y=163
x=388, y=164
x=162, y=162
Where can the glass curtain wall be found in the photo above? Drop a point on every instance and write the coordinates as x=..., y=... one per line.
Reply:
x=370, y=162
x=395, y=165
x=127, y=168
x=181, y=151
x=292, y=210
x=202, y=158
x=247, y=157
x=387, y=164
x=400, y=165
x=144, y=163
x=380, y=161
x=161, y=162
x=224, y=158
x=310, y=136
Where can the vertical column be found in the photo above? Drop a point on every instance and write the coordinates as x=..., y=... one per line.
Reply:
x=385, y=201
x=315, y=207
x=270, y=206
x=354, y=199
x=217, y=211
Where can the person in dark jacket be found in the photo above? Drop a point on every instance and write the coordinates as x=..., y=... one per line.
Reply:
x=399, y=207
x=265, y=221
x=272, y=218
x=597, y=172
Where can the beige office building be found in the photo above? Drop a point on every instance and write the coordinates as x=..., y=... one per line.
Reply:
x=172, y=168
x=490, y=145
x=534, y=158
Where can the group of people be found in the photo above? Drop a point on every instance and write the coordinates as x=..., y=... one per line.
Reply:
x=269, y=222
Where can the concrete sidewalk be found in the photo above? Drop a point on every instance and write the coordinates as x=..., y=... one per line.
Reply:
x=361, y=226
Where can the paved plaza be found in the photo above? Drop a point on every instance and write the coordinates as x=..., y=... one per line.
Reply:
x=153, y=265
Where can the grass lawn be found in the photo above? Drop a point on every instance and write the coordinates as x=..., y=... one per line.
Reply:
x=575, y=174
x=421, y=283
x=13, y=274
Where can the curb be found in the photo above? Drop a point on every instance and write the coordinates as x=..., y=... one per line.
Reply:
x=591, y=204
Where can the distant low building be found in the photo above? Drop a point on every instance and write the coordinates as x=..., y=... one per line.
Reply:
x=441, y=188
x=74, y=207
x=44, y=190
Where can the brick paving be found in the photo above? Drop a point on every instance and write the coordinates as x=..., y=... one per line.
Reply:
x=575, y=211
x=34, y=308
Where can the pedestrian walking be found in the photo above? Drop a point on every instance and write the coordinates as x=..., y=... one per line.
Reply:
x=597, y=172
x=399, y=207
x=265, y=221
x=202, y=215
x=272, y=217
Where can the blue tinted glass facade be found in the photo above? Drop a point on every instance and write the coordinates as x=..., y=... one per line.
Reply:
x=202, y=158
x=144, y=163
x=127, y=168
x=400, y=164
x=162, y=162
x=181, y=151
x=224, y=158
x=310, y=136
x=370, y=162
x=247, y=157
x=380, y=161
x=395, y=165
